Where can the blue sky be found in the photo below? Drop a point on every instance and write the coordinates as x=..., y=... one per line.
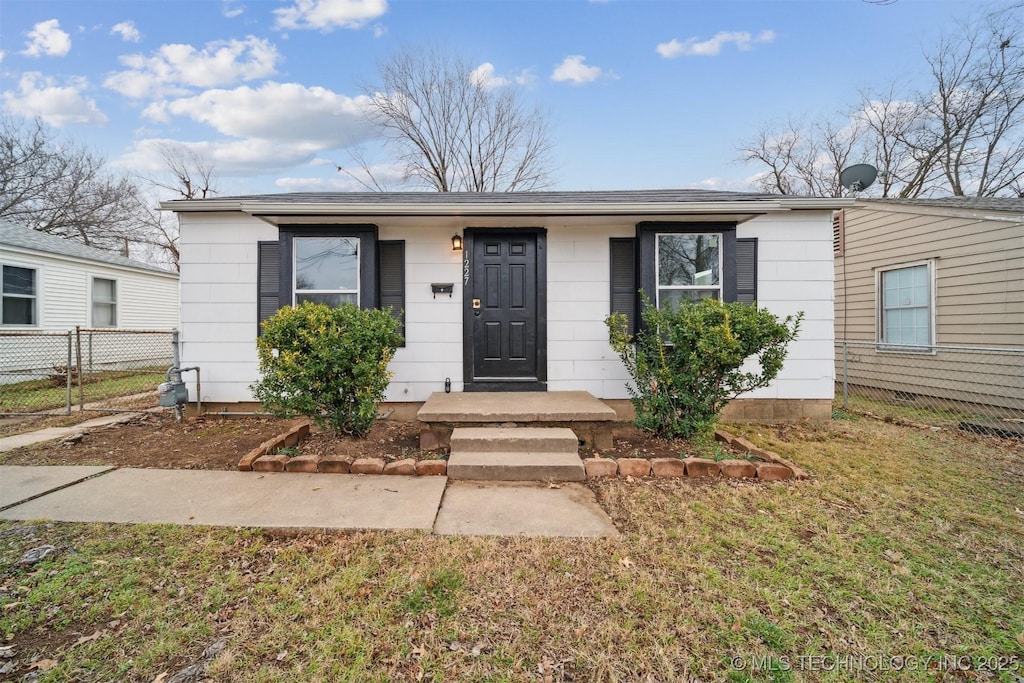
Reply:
x=640, y=94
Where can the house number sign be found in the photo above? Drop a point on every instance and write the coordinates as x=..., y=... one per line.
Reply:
x=465, y=271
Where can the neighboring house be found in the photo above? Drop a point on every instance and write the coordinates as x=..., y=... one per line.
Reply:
x=505, y=291
x=917, y=280
x=50, y=284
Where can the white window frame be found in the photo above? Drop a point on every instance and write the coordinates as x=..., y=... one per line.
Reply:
x=885, y=346
x=115, y=304
x=295, y=269
x=698, y=288
x=35, y=296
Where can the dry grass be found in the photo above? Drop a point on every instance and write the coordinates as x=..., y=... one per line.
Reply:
x=904, y=543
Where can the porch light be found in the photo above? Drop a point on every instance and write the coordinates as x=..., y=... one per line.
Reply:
x=456, y=242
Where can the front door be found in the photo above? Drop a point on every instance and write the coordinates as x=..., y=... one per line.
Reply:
x=505, y=299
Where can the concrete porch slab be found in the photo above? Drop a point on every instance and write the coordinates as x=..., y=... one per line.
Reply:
x=503, y=509
x=217, y=498
x=18, y=484
x=526, y=406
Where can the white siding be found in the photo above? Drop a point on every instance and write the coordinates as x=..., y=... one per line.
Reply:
x=794, y=274
x=145, y=301
x=219, y=301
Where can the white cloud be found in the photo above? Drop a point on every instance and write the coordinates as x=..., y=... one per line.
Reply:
x=327, y=15
x=748, y=184
x=379, y=30
x=2, y=53
x=694, y=47
x=55, y=104
x=267, y=129
x=175, y=68
x=229, y=157
x=278, y=111
x=484, y=76
x=127, y=31
x=46, y=38
x=573, y=69
x=231, y=9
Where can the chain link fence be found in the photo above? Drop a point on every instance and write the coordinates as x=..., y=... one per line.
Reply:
x=95, y=369
x=975, y=388
x=36, y=372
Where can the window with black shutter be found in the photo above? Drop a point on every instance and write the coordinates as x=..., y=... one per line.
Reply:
x=670, y=261
x=331, y=264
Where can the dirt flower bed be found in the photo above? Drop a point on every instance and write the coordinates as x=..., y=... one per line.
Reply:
x=209, y=442
x=155, y=440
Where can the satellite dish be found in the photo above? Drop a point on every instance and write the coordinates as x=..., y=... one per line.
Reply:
x=858, y=177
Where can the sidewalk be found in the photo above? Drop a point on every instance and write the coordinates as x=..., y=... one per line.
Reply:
x=292, y=500
x=9, y=443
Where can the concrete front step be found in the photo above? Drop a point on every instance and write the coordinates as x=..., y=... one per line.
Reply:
x=516, y=466
x=514, y=439
x=521, y=407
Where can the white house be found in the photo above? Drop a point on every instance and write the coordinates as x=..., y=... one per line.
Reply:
x=52, y=285
x=505, y=291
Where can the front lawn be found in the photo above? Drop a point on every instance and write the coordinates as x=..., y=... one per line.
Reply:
x=905, y=543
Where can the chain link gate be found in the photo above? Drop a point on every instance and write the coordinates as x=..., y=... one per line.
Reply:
x=46, y=373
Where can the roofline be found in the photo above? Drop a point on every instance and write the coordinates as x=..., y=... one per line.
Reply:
x=260, y=208
x=988, y=214
x=144, y=268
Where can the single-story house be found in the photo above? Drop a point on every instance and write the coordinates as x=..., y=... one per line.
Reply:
x=503, y=292
x=53, y=285
x=930, y=297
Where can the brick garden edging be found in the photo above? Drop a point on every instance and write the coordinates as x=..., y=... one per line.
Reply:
x=771, y=466
x=264, y=459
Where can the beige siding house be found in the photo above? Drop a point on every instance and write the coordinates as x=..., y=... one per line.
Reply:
x=930, y=297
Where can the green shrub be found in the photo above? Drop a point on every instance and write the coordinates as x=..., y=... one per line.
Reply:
x=330, y=364
x=685, y=362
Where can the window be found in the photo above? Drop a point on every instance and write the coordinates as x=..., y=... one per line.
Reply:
x=905, y=308
x=689, y=267
x=330, y=264
x=326, y=270
x=19, y=295
x=677, y=261
x=104, y=302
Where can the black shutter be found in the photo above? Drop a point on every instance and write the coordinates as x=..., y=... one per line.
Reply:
x=623, y=278
x=746, y=270
x=392, y=279
x=268, y=281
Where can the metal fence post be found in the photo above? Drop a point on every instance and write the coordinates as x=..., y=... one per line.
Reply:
x=78, y=358
x=175, y=353
x=846, y=376
x=67, y=383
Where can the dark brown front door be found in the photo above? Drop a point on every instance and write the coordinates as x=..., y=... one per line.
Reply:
x=504, y=299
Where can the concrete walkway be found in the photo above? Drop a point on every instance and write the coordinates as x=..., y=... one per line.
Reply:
x=9, y=443
x=292, y=500
x=289, y=500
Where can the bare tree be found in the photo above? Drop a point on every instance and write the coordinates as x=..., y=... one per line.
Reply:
x=189, y=174
x=453, y=131
x=804, y=159
x=62, y=188
x=964, y=135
